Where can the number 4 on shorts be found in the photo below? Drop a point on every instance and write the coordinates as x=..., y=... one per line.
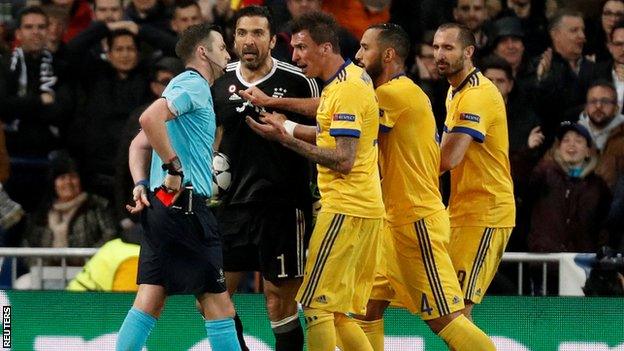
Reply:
x=424, y=305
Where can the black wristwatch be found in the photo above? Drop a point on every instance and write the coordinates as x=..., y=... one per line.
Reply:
x=173, y=167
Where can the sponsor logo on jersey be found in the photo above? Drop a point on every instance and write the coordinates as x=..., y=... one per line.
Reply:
x=235, y=97
x=469, y=117
x=344, y=117
x=232, y=88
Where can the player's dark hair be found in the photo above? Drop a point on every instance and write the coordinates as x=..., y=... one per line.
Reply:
x=393, y=36
x=465, y=36
x=255, y=11
x=30, y=10
x=496, y=62
x=192, y=37
x=322, y=27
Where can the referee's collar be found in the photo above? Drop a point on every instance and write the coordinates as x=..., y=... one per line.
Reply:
x=194, y=70
x=465, y=81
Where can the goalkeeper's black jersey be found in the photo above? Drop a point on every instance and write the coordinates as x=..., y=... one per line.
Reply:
x=262, y=170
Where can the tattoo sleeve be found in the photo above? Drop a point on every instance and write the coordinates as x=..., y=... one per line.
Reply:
x=340, y=159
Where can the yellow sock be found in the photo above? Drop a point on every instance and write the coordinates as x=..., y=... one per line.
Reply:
x=320, y=330
x=374, y=331
x=461, y=334
x=352, y=337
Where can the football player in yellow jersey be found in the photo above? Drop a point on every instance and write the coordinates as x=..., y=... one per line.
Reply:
x=343, y=249
x=475, y=149
x=419, y=276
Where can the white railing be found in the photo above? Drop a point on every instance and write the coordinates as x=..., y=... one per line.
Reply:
x=40, y=253
x=570, y=281
x=571, y=275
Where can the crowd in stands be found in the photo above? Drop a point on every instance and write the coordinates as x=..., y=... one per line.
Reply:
x=75, y=75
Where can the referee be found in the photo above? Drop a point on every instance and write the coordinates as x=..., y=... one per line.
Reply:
x=180, y=251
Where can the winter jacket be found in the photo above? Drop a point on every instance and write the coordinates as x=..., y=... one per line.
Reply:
x=611, y=165
x=567, y=213
x=91, y=226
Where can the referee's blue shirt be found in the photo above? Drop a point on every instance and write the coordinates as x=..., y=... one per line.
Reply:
x=191, y=132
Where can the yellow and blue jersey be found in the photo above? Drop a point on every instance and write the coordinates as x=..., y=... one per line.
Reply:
x=409, y=156
x=481, y=186
x=348, y=108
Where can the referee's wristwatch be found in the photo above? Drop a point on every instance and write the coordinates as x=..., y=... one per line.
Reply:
x=173, y=167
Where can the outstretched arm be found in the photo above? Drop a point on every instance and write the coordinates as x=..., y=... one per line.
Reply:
x=303, y=106
x=340, y=159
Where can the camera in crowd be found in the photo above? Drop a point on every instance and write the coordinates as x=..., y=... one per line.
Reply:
x=607, y=275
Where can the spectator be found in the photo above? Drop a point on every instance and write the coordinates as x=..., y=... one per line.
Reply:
x=108, y=11
x=601, y=116
x=508, y=43
x=34, y=107
x=349, y=45
x=612, y=13
x=108, y=92
x=613, y=69
x=563, y=74
x=57, y=17
x=68, y=216
x=185, y=14
x=79, y=16
x=473, y=14
x=525, y=139
x=151, y=12
x=531, y=14
x=570, y=201
x=606, y=124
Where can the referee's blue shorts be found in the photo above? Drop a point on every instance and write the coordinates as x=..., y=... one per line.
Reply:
x=181, y=251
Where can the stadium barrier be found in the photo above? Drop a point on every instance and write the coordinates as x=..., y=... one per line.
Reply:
x=68, y=321
x=573, y=268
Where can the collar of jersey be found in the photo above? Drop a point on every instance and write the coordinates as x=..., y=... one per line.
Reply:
x=194, y=70
x=398, y=75
x=465, y=81
x=344, y=65
x=239, y=75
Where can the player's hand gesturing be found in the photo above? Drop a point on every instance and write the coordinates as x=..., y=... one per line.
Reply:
x=256, y=96
x=272, y=126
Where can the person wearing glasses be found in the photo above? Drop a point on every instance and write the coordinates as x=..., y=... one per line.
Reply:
x=612, y=12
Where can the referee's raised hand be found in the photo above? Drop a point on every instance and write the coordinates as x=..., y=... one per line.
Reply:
x=139, y=195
